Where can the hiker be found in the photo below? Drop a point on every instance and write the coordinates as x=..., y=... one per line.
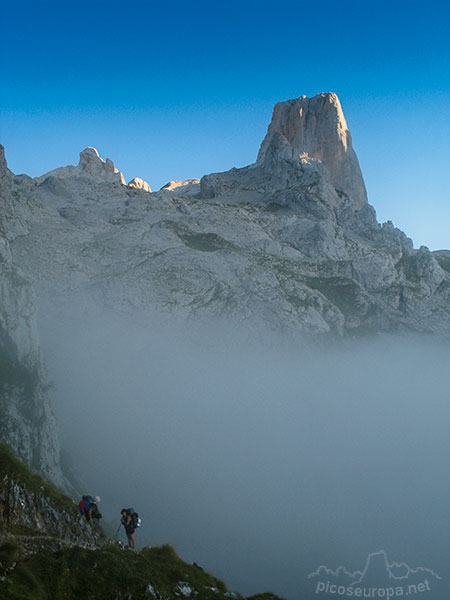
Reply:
x=96, y=514
x=89, y=509
x=128, y=522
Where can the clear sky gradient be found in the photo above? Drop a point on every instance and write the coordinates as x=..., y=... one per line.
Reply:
x=176, y=90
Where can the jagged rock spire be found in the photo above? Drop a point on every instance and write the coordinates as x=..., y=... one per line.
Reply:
x=2, y=157
x=102, y=170
x=3, y=164
x=90, y=166
x=317, y=127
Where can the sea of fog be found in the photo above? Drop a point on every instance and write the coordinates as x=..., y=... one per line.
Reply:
x=260, y=463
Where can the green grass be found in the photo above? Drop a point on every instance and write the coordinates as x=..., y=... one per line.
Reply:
x=339, y=291
x=203, y=242
x=107, y=573
x=9, y=553
x=20, y=530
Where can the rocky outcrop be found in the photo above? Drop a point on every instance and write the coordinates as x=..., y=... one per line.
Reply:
x=307, y=143
x=139, y=184
x=316, y=128
x=187, y=188
x=37, y=516
x=90, y=166
x=37, y=513
x=3, y=164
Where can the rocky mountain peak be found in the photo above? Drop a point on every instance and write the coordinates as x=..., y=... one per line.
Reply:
x=3, y=164
x=89, y=156
x=2, y=158
x=103, y=170
x=139, y=184
x=316, y=127
x=90, y=166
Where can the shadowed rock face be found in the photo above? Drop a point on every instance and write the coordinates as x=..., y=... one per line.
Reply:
x=3, y=165
x=27, y=422
x=316, y=127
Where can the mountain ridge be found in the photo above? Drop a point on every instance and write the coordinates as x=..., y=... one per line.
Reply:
x=277, y=251
x=297, y=221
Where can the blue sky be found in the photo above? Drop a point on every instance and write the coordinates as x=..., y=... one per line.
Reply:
x=180, y=89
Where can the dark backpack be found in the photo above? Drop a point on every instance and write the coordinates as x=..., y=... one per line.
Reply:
x=96, y=514
x=135, y=520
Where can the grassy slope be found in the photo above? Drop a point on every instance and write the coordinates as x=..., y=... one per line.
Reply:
x=107, y=573
x=110, y=572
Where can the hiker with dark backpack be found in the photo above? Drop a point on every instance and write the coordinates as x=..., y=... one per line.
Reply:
x=89, y=509
x=127, y=522
x=96, y=514
x=130, y=520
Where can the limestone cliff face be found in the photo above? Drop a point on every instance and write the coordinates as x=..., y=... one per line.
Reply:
x=27, y=422
x=316, y=127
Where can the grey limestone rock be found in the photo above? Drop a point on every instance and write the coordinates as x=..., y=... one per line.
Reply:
x=27, y=422
x=307, y=143
x=187, y=188
x=91, y=167
x=139, y=184
x=35, y=511
x=316, y=127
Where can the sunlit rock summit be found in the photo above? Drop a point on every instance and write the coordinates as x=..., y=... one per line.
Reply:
x=287, y=247
x=139, y=184
x=316, y=128
x=307, y=142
